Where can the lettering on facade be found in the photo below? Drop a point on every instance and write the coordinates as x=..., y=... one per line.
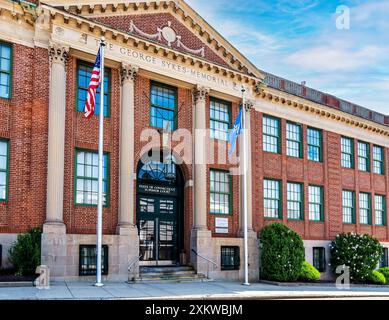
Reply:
x=157, y=189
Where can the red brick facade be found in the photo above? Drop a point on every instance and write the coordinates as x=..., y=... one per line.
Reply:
x=24, y=121
x=149, y=23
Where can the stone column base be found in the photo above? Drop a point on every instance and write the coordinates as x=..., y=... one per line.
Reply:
x=128, y=252
x=254, y=256
x=54, y=248
x=201, y=242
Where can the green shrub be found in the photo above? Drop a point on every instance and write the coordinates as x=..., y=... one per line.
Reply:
x=309, y=272
x=282, y=253
x=359, y=252
x=25, y=252
x=385, y=272
x=376, y=277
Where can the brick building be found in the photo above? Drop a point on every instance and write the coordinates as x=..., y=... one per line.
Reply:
x=318, y=164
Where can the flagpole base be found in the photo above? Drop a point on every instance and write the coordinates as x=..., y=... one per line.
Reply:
x=99, y=284
x=246, y=284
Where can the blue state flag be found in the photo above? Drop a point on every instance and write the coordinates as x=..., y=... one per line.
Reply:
x=235, y=132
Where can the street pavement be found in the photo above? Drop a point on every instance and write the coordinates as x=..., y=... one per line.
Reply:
x=190, y=290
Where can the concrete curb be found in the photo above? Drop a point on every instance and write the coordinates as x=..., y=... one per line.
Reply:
x=318, y=284
x=16, y=284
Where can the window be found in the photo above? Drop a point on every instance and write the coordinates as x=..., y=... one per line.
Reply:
x=364, y=208
x=271, y=134
x=5, y=70
x=230, y=259
x=363, y=156
x=348, y=206
x=219, y=119
x=384, y=258
x=316, y=211
x=380, y=212
x=319, y=259
x=347, y=146
x=163, y=100
x=87, y=175
x=4, y=169
x=314, y=144
x=295, y=201
x=84, y=73
x=293, y=140
x=220, y=192
x=272, y=199
x=88, y=259
x=378, y=160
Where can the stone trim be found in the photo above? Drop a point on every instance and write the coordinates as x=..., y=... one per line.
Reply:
x=58, y=53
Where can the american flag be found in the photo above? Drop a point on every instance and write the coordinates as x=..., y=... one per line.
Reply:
x=93, y=85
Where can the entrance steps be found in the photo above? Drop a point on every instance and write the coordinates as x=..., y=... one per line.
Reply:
x=169, y=274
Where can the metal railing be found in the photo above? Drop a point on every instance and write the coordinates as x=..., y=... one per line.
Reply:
x=131, y=264
x=214, y=264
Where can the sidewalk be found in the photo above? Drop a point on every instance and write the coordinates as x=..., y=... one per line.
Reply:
x=204, y=290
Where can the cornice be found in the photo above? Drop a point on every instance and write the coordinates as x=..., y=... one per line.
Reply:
x=313, y=108
x=185, y=15
x=97, y=29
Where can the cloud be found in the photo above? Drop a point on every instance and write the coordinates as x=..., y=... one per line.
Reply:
x=331, y=58
x=296, y=7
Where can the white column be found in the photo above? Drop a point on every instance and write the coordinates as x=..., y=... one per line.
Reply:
x=200, y=166
x=56, y=135
x=54, y=239
x=127, y=149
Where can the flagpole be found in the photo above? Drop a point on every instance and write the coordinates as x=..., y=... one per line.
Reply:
x=245, y=213
x=101, y=159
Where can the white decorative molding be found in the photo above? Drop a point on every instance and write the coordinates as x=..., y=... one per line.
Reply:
x=169, y=34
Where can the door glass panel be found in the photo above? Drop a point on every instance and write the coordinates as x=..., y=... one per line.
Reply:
x=166, y=240
x=146, y=205
x=166, y=206
x=147, y=239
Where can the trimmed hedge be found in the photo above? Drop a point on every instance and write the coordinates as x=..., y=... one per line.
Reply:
x=25, y=252
x=376, y=277
x=282, y=253
x=309, y=272
x=385, y=272
x=360, y=252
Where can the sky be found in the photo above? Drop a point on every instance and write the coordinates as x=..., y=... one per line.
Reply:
x=299, y=40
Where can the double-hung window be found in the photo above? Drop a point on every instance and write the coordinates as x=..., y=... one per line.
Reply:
x=271, y=134
x=219, y=119
x=272, y=199
x=363, y=156
x=347, y=149
x=87, y=175
x=163, y=99
x=84, y=73
x=380, y=210
x=384, y=258
x=4, y=169
x=378, y=160
x=5, y=70
x=293, y=140
x=348, y=206
x=364, y=208
x=315, y=203
x=295, y=201
x=220, y=192
x=314, y=138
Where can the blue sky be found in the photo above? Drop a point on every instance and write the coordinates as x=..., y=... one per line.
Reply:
x=298, y=40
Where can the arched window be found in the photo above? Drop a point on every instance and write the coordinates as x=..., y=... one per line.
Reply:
x=165, y=171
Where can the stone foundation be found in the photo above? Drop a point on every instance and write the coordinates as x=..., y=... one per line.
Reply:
x=210, y=247
x=60, y=251
x=6, y=240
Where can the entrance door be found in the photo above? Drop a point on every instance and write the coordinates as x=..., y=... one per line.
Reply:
x=157, y=225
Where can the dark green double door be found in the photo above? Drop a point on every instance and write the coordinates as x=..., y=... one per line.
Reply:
x=158, y=229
